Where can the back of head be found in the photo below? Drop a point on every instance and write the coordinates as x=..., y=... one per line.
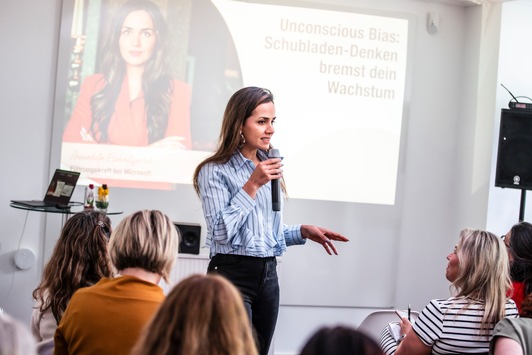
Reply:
x=521, y=249
x=79, y=259
x=484, y=272
x=340, y=340
x=145, y=239
x=202, y=315
x=15, y=338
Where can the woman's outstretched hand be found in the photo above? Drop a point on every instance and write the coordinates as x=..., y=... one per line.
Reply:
x=322, y=236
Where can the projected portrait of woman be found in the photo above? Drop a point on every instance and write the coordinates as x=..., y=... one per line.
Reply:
x=138, y=86
x=133, y=99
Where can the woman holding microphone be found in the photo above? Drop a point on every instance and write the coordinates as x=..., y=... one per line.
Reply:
x=244, y=235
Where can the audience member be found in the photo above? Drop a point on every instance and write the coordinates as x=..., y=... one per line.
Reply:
x=478, y=270
x=107, y=318
x=513, y=336
x=15, y=339
x=340, y=340
x=79, y=259
x=519, y=244
x=202, y=315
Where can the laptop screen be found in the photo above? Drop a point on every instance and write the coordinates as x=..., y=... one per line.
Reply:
x=61, y=187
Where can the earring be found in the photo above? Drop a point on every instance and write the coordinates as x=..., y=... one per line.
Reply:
x=242, y=139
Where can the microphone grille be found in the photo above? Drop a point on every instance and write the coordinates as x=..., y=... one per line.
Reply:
x=274, y=153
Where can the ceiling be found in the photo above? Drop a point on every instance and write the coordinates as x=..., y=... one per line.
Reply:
x=464, y=3
x=455, y=2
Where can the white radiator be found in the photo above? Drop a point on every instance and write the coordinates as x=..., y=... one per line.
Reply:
x=187, y=264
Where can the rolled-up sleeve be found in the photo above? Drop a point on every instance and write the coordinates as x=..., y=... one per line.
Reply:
x=292, y=234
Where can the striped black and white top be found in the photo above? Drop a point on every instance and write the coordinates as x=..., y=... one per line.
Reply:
x=451, y=326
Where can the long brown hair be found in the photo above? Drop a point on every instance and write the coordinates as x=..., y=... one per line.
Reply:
x=202, y=315
x=156, y=84
x=239, y=108
x=79, y=259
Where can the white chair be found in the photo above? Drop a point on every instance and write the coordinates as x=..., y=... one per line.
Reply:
x=376, y=321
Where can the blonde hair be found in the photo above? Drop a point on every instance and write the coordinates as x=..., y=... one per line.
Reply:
x=483, y=274
x=145, y=239
x=202, y=315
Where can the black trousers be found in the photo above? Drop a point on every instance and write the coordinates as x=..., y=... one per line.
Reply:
x=257, y=280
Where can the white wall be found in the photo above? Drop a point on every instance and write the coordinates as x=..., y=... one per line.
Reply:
x=514, y=72
x=444, y=178
x=27, y=69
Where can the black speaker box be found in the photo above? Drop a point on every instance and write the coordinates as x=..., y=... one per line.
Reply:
x=190, y=237
x=514, y=155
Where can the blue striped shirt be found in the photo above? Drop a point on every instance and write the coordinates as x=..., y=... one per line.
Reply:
x=236, y=223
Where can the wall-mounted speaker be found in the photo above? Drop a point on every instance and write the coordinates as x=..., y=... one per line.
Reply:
x=190, y=237
x=514, y=155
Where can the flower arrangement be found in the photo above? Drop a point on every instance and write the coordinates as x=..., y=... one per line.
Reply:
x=103, y=197
x=89, y=197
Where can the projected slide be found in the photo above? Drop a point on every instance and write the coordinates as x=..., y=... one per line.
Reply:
x=338, y=78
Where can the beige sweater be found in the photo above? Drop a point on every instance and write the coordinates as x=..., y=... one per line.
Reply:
x=43, y=326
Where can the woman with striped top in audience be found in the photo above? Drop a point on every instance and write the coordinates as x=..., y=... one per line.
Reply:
x=478, y=270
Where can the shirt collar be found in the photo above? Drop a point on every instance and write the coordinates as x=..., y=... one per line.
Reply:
x=238, y=160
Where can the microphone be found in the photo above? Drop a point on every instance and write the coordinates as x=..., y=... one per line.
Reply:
x=276, y=190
